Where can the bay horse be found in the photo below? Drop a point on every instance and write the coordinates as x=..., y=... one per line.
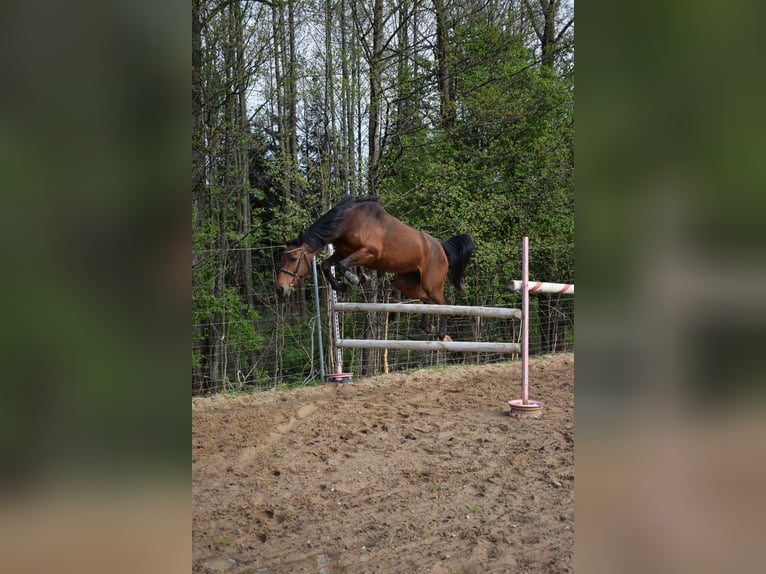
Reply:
x=364, y=234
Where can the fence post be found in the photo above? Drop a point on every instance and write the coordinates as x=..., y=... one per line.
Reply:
x=339, y=376
x=319, y=319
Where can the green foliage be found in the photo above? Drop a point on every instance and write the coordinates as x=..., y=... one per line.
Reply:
x=227, y=320
x=500, y=169
x=296, y=349
x=291, y=219
x=504, y=170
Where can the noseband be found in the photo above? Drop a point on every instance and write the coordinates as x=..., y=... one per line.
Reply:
x=294, y=274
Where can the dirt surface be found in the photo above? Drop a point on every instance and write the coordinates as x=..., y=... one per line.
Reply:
x=423, y=472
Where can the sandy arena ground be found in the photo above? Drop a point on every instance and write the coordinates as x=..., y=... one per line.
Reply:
x=406, y=473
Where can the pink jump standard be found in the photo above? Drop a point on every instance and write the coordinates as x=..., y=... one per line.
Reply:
x=524, y=407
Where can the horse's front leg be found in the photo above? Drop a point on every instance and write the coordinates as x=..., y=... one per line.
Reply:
x=343, y=269
x=363, y=277
x=351, y=277
x=327, y=271
x=360, y=257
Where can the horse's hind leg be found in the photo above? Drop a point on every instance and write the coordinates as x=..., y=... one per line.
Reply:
x=427, y=328
x=443, y=329
x=436, y=296
x=410, y=286
x=425, y=324
x=442, y=333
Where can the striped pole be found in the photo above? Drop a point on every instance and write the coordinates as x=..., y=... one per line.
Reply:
x=543, y=287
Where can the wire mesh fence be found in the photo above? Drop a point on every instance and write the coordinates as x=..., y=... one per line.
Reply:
x=260, y=341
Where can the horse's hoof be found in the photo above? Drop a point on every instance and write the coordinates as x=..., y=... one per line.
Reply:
x=351, y=277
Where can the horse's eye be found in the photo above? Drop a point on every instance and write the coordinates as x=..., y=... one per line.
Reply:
x=293, y=259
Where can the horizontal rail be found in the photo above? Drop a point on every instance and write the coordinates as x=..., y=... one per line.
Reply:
x=465, y=310
x=542, y=287
x=430, y=345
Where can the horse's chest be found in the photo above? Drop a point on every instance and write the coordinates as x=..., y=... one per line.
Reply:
x=344, y=249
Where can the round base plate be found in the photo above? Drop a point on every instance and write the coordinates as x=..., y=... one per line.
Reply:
x=533, y=409
x=340, y=378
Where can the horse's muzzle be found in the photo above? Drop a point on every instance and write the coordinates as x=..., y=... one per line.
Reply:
x=283, y=291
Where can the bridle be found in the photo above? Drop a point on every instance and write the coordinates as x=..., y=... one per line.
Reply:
x=294, y=274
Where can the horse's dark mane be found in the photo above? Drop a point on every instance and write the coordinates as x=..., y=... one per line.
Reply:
x=323, y=230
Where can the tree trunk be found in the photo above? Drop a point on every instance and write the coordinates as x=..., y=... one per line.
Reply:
x=198, y=127
x=292, y=103
x=376, y=65
x=348, y=54
x=328, y=137
x=545, y=28
x=199, y=203
x=404, y=121
x=281, y=95
x=548, y=40
x=443, y=64
x=243, y=171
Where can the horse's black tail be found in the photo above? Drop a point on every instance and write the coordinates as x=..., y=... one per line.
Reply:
x=459, y=250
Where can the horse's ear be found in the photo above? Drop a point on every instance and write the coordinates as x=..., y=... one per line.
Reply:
x=300, y=238
x=287, y=240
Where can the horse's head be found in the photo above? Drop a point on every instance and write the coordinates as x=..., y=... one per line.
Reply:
x=294, y=266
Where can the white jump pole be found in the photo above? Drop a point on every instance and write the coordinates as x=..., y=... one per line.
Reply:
x=525, y=407
x=456, y=310
x=450, y=346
